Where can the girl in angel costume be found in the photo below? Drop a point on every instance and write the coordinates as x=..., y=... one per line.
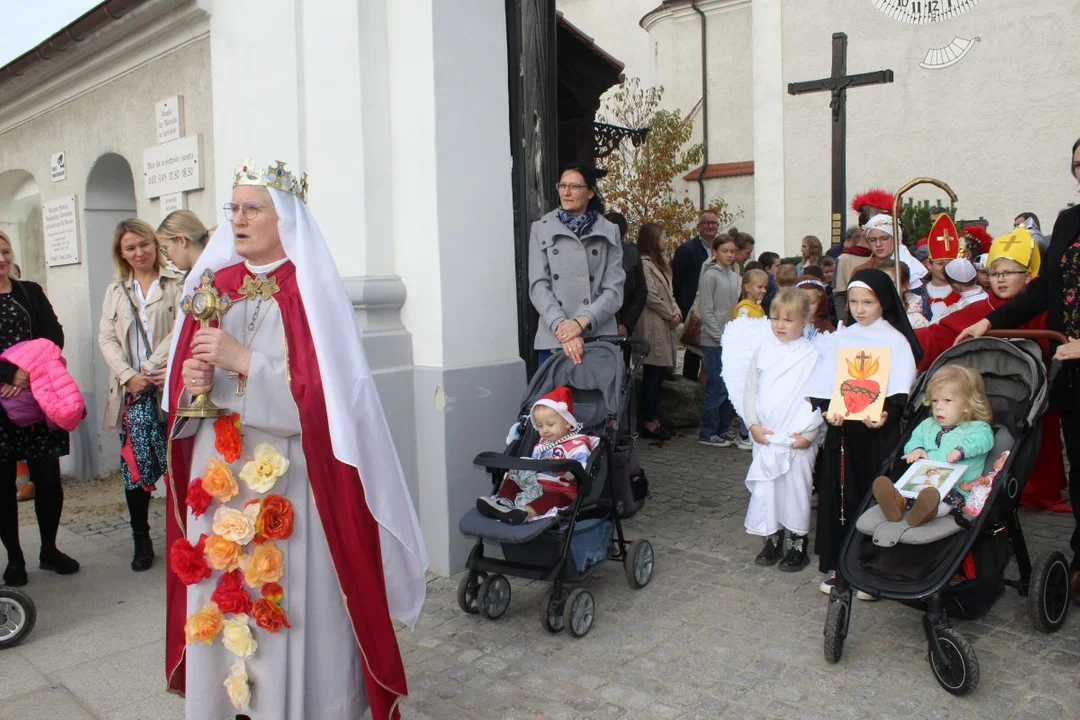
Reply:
x=772, y=362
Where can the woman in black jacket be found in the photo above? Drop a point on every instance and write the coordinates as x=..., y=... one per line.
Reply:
x=1057, y=293
x=26, y=314
x=634, y=291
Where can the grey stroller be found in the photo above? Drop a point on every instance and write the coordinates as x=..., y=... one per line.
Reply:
x=567, y=548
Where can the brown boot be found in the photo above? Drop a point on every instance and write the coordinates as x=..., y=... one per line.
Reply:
x=889, y=498
x=925, y=507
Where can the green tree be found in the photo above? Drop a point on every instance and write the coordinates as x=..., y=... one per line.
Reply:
x=640, y=178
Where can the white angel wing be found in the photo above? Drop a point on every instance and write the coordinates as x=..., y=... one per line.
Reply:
x=742, y=338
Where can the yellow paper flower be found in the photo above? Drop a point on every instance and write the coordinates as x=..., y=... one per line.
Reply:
x=236, y=685
x=237, y=637
x=265, y=564
x=263, y=471
x=218, y=480
x=237, y=526
x=204, y=624
x=222, y=554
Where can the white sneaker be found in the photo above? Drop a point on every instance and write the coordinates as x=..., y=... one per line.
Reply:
x=865, y=596
x=826, y=585
x=743, y=443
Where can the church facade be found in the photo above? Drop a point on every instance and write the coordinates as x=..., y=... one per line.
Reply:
x=142, y=106
x=980, y=100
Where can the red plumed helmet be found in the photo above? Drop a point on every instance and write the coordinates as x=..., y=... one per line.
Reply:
x=878, y=199
x=979, y=233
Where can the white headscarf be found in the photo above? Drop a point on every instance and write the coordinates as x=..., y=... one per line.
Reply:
x=359, y=432
x=884, y=223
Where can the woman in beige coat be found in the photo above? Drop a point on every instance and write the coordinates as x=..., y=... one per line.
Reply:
x=135, y=331
x=657, y=325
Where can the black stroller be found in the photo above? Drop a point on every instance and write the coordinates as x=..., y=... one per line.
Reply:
x=17, y=616
x=950, y=567
x=568, y=547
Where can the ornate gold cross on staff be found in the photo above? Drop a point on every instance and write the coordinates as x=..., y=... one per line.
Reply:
x=206, y=305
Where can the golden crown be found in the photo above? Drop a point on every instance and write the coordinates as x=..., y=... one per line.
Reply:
x=275, y=176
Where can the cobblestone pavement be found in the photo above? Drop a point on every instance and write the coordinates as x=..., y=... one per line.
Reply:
x=715, y=636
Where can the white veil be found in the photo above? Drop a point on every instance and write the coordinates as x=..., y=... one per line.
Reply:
x=358, y=429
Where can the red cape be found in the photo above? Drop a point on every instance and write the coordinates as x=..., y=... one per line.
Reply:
x=1043, y=489
x=351, y=532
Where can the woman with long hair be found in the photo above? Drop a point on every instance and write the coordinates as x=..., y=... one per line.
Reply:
x=576, y=274
x=182, y=236
x=657, y=325
x=26, y=314
x=811, y=253
x=136, y=324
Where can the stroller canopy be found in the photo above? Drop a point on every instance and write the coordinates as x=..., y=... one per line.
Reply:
x=597, y=383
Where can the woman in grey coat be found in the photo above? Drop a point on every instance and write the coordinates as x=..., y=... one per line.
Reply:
x=576, y=275
x=718, y=293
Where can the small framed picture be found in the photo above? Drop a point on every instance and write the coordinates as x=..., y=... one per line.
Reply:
x=926, y=473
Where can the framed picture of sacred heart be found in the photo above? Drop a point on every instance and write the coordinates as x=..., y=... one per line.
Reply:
x=862, y=379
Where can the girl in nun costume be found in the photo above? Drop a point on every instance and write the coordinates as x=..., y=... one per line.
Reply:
x=854, y=450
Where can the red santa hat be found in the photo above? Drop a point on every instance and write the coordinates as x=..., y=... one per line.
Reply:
x=561, y=401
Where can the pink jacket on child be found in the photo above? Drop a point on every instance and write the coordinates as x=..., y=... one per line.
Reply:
x=50, y=383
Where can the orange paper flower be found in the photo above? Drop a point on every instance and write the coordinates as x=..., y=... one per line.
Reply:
x=275, y=521
x=265, y=564
x=218, y=480
x=269, y=615
x=222, y=554
x=227, y=438
x=204, y=624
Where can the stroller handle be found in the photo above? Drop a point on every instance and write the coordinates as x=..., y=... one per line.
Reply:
x=1029, y=335
x=636, y=343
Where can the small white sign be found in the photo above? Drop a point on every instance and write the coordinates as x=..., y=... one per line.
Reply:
x=173, y=167
x=58, y=167
x=60, y=218
x=171, y=202
x=169, y=115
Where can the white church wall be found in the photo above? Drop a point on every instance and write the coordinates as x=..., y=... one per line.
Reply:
x=116, y=117
x=996, y=126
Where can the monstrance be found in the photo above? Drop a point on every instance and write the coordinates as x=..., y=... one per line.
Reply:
x=206, y=305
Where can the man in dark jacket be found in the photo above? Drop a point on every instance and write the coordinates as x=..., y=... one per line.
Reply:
x=635, y=292
x=685, y=272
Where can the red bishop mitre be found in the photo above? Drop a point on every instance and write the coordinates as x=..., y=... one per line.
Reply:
x=943, y=240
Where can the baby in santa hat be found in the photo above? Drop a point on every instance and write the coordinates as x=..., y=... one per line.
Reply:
x=523, y=494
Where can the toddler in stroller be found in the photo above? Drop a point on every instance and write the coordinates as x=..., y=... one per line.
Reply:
x=561, y=545
x=527, y=494
x=957, y=431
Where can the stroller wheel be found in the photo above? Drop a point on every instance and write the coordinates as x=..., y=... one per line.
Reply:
x=1049, y=592
x=579, y=612
x=494, y=596
x=17, y=616
x=835, y=630
x=638, y=564
x=468, y=591
x=953, y=661
x=551, y=610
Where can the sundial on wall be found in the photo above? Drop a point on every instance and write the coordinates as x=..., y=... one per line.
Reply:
x=928, y=11
x=924, y=11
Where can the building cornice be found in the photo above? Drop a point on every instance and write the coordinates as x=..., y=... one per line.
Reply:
x=147, y=32
x=684, y=9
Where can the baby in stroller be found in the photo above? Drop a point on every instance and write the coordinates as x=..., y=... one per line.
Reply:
x=523, y=494
x=957, y=431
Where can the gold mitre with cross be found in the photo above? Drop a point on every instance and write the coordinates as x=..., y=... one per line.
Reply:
x=274, y=176
x=1019, y=247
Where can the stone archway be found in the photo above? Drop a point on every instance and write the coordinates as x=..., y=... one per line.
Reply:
x=110, y=198
x=20, y=219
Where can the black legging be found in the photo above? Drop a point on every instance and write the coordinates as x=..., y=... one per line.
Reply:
x=1070, y=430
x=48, y=504
x=138, y=502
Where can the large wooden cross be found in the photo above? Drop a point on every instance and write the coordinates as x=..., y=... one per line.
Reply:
x=837, y=84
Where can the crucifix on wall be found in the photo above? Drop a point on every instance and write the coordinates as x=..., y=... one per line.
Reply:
x=837, y=85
